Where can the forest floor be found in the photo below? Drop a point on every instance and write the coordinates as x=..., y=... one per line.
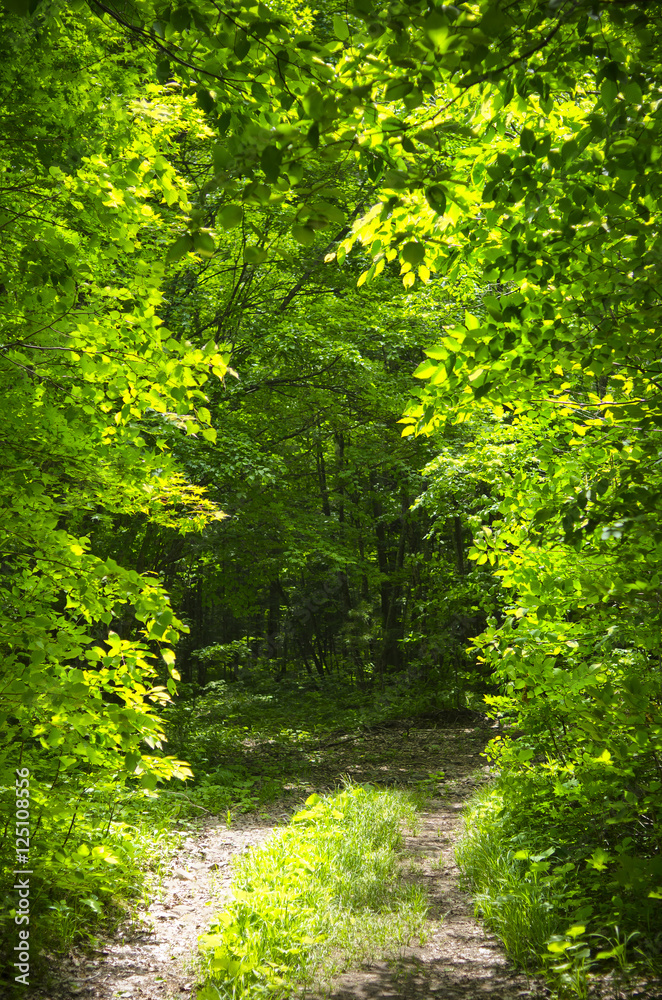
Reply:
x=153, y=956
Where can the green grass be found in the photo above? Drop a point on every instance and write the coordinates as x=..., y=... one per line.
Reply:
x=326, y=893
x=518, y=894
x=543, y=886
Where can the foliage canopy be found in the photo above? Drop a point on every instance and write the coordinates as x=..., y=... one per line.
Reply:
x=316, y=198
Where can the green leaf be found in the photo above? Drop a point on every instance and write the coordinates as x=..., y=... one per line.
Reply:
x=222, y=157
x=223, y=121
x=204, y=244
x=203, y=96
x=482, y=390
x=599, y=860
x=413, y=253
x=242, y=46
x=558, y=947
x=270, y=161
x=230, y=216
x=180, y=247
x=425, y=369
x=436, y=198
x=608, y=92
x=576, y=931
x=180, y=19
x=340, y=27
x=569, y=150
x=493, y=20
x=436, y=28
x=527, y=139
x=632, y=93
x=313, y=103
x=163, y=74
x=255, y=255
x=397, y=89
x=303, y=234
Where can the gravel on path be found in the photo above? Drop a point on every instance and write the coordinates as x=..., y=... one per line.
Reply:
x=152, y=957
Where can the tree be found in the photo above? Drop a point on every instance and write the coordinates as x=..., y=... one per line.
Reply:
x=84, y=355
x=564, y=351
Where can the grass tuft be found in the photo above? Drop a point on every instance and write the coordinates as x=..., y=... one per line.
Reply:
x=324, y=894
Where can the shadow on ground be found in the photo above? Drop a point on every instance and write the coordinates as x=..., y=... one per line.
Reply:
x=401, y=752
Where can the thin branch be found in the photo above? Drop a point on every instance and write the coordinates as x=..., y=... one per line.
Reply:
x=307, y=274
x=163, y=48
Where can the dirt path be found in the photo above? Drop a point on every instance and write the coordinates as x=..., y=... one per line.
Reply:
x=153, y=958
x=459, y=960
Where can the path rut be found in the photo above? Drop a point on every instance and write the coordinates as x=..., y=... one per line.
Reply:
x=460, y=960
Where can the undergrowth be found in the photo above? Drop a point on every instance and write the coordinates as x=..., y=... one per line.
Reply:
x=249, y=740
x=113, y=859
x=552, y=895
x=324, y=894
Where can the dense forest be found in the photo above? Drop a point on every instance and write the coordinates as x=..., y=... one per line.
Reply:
x=331, y=372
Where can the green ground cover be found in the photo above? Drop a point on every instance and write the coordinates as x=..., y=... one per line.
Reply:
x=323, y=894
x=560, y=904
x=250, y=740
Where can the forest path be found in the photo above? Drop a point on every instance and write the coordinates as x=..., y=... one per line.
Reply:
x=459, y=960
x=153, y=956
